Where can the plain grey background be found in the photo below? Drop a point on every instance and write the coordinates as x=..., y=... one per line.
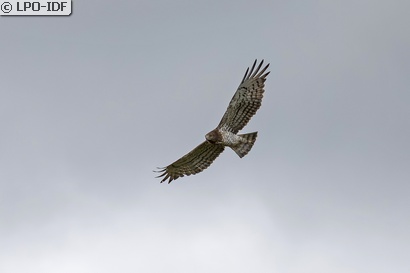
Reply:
x=90, y=104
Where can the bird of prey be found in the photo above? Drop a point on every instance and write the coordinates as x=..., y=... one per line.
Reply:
x=244, y=104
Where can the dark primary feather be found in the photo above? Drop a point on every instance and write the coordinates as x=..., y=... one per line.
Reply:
x=246, y=100
x=194, y=162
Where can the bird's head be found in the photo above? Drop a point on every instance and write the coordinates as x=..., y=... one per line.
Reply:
x=213, y=136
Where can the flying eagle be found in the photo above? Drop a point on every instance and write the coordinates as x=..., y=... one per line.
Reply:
x=243, y=106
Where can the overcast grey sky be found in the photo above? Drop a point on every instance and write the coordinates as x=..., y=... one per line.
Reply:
x=90, y=104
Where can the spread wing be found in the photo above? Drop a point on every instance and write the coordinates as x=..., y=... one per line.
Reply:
x=194, y=162
x=246, y=101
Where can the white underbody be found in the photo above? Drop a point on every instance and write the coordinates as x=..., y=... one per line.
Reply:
x=230, y=139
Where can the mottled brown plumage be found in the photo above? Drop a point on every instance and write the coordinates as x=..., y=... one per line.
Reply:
x=194, y=162
x=244, y=104
x=246, y=100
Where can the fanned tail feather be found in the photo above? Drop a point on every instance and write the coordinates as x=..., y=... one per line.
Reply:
x=243, y=149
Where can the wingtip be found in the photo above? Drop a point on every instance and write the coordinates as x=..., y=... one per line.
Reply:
x=160, y=169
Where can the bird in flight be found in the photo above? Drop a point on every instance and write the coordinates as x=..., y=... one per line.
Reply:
x=244, y=104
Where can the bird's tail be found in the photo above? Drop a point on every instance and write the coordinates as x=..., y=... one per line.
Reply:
x=243, y=149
